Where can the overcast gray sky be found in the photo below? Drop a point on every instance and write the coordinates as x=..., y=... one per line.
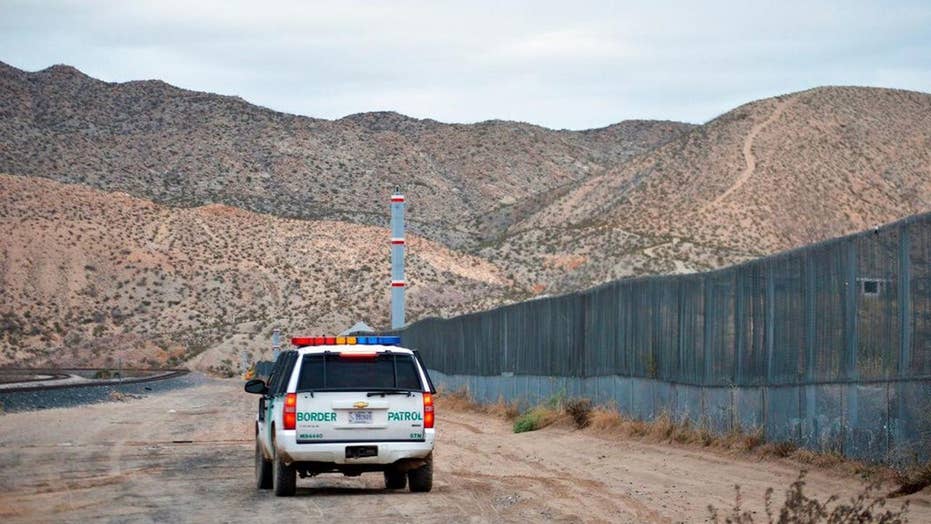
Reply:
x=567, y=64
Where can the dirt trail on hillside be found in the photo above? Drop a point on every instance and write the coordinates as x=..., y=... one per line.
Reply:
x=187, y=455
x=749, y=159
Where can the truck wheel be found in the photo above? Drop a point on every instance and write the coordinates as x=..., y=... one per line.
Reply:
x=284, y=477
x=395, y=479
x=421, y=479
x=263, y=468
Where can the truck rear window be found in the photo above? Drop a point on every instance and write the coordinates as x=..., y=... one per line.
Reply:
x=384, y=372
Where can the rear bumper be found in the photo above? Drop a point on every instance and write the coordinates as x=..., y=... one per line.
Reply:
x=335, y=452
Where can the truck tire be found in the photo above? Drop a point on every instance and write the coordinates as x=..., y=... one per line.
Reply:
x=284, y=478
x=421, y=479
x=263, y=468
x=395, y=479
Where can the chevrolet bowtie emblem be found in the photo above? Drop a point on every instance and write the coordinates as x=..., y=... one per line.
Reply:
x=361, y=404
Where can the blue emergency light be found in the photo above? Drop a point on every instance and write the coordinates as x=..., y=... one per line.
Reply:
x=383, y=341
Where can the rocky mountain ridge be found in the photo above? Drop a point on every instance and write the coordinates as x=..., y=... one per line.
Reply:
x=164, y=223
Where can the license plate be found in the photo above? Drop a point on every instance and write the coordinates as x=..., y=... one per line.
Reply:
x=361, y=451
x=360, y=417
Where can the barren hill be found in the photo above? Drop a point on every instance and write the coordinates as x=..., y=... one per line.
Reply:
x=186, y=148
x=768, y=176
x=110, y=276
x=148, y=221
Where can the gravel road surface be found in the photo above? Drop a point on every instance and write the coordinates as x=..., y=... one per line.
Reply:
x=13, y=401
x=187, y=455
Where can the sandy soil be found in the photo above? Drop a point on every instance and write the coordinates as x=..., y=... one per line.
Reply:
x=187, y=455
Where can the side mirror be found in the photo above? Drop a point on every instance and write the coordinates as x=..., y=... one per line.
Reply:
x=256, y=386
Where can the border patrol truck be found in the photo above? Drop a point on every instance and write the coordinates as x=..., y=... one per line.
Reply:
x=347, y=405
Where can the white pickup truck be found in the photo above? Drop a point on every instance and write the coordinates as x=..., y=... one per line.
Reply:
x=348, y=405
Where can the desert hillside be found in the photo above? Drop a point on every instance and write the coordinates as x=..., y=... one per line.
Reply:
x=143, y=221
x=109, y=276
x=768, y=176
x=186, y=148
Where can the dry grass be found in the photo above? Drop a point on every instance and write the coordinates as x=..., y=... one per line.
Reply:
x=778, y=449
x=461, y=400
x=821, y=459
x=913, y=481
x=608, y=422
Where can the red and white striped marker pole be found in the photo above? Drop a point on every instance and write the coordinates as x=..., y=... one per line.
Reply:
x=397, y=259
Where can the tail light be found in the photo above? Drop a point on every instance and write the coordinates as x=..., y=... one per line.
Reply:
x=290, y=411
x=428, y=413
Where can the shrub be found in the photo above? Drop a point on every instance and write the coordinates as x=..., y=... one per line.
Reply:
x=529, y=421
x=866, y=507
x=913, y=481
x=783, y=449
x=580, y=409
x=117, y=396
x=537, y=418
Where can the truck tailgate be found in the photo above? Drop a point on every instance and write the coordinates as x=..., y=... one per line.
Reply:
x=359, y=416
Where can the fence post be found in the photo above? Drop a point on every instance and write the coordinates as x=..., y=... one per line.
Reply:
x=811, y=294
x=629, y=341
x=504, y=360
x=905, y=301
x=851, y=341
x=740, y=325
x=770, y=320
x=850, y=311
x=896, y=430
x=681, y=373
x=582, y=335
x=708, y=330
x=657, y=336
x=810, y=353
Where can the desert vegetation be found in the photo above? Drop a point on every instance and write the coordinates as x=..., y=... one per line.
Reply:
x=868, y=506
x=143, y=221
x=96, y=278
x=607, y=422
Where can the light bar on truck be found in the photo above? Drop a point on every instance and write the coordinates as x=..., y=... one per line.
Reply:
x=341, y=341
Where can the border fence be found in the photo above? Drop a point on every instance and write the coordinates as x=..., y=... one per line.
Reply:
x=827, y=346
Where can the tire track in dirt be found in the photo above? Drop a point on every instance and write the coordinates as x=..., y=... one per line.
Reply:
x=122, y=462
x=563, y=482
x=468, y=427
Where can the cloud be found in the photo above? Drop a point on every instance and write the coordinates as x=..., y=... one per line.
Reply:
x=574, y=65
x=577, y=45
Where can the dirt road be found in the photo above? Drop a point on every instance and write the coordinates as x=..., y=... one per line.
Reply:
x=186, y=455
